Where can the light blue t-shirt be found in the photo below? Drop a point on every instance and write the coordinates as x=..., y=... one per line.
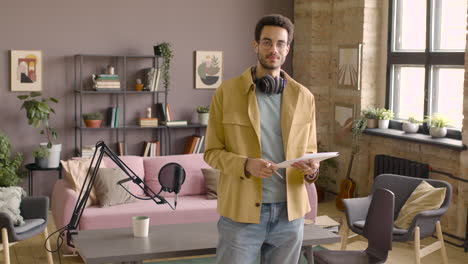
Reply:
x=269, y=106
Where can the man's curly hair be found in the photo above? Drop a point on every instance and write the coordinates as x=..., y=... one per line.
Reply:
x=275, y=20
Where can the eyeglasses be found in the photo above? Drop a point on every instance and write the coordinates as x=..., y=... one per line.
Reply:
x=267, y=44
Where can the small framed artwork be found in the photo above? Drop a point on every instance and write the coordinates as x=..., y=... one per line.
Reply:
x=208, y=69
x=349, y=66
x=26, y=70
x=344, y=116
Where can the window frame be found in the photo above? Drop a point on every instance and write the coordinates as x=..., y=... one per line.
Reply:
x=426, y=59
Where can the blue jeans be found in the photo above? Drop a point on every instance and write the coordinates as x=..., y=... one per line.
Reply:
x=278, y=240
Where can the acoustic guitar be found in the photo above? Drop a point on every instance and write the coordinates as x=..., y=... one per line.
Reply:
x=347, y=187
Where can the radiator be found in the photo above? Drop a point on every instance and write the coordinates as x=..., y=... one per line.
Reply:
x=394, y=165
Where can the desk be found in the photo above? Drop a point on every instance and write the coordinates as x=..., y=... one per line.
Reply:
x=166, y=241
x=33, y=167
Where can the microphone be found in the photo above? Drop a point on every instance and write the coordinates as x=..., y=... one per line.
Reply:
x=177, y=182
x=124, y=181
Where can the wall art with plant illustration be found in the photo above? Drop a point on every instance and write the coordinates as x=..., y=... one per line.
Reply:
x=208, y=69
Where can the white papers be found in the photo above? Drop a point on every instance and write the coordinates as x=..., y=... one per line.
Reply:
x=315, y=156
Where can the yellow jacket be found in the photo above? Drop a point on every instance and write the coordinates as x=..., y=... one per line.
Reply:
x=233, y=134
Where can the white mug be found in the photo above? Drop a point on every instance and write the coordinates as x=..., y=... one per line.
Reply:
x=140, y=226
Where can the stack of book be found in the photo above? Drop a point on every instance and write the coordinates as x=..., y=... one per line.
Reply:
x=152, y=79
x=88, y=151
x=113, y=116
x=148, y=122
x=151, y=148
x=194, y=144
x=106, y=82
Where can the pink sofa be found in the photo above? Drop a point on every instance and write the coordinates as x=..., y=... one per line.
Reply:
x=192, y=205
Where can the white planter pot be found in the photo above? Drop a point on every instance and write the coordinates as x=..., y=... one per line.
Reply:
x=438, y=132
x=410, y=127
x=53, y=160
x=384, y=123
x=203, y=118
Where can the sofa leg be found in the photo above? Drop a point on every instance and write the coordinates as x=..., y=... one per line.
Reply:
x=50, y=259
x=442, y=244
x=344, y=232
x=417, y=246
x=6, y=246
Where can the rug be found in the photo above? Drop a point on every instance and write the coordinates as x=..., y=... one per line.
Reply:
x=209, y=259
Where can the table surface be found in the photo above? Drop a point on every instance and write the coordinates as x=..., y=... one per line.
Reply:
x=166, y=241
x=33, y=166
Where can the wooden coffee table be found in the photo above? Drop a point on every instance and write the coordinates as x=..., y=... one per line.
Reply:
x=168, y=241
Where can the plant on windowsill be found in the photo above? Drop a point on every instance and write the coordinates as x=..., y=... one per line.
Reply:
x=384, y=116
x=10, y=174
x=164, y=50
x=38, y=113
x=371, y=116
x=203, y=114
x=93, y=119
x=40, y=155
x=411, y=125
x=437, y=125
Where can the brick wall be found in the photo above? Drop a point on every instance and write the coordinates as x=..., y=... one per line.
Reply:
x=321, y=27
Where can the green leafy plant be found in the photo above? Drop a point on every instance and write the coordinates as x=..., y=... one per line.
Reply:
x=93, y=116
x=327, y=167
x=164, y=50
x=436, y=120
x=41, y=152
x=413, y=120
x=384, y=114
x=370, y=113
x=10, y=174
x=38, y=113
x=203, y=109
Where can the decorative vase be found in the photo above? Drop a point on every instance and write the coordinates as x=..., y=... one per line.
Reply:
x=371, y=123
x=203, y=118
x=384, y=124
x=93, y=123
x=438, y=132
x=53, y=160
x=410, y=127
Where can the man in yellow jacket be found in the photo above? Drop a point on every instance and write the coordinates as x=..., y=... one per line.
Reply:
x=257, y=120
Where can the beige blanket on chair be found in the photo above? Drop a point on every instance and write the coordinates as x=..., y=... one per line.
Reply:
x=10, y=200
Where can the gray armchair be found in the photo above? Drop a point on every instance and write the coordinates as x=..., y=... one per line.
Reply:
x=34, y=211
x=423, y=224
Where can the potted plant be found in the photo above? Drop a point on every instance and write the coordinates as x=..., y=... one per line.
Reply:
x=38, y=113
x=93, y=119
x=371, y=116
x=40, y=155
x=164, y=50
x=383, y=116
x=438, y=125
x=10, y=174
x=411, y=125
x=328, y=167
x=203, y=114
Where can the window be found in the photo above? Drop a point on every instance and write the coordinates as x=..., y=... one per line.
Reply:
x=426, y=59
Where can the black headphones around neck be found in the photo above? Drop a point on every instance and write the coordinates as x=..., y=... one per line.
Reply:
x=269, y=84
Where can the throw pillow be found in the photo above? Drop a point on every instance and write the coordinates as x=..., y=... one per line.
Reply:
x=75, y=174
x=424, y=197
x=108, y=191
x=10, y=201
x=211, y=182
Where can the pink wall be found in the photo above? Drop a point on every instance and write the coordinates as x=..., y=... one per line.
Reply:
x=62, y=29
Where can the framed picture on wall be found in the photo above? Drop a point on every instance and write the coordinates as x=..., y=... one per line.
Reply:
x=343, y=122
x=208, y=69
x=349, y=66
x=26, y=70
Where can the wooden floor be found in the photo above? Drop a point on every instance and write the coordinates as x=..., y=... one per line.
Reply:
x=32, y=251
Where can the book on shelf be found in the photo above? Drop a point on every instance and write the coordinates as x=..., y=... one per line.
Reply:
x=176, y=123
x=88, y=150
x=148, y=122
x=116, y=118
x=151, y=148
x=191, y=144
x=107, y=81
x=169, y=113
x=160, y=114
x=146, y=147
x=107, y=89
x=122, y=148
x=107, y=76
x=156, y=75
x=200, y=145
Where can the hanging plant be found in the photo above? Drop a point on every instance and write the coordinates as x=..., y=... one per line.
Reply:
x=165, y=52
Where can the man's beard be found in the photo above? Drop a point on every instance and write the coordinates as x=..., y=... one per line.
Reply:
x=265, y=65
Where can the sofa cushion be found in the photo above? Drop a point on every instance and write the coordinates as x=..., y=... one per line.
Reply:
x=211, y=181
x=424, y=197
x=135, y=163
x=107, y=190
x=190, y=209
x=194, y=183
